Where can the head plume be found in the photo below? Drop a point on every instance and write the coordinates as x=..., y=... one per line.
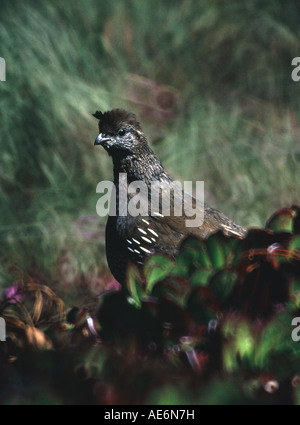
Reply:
x=116, y=118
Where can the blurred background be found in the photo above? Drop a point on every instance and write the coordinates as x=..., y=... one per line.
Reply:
x=210, y=81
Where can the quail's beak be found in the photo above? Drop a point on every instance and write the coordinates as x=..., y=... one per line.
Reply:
x=100, y=139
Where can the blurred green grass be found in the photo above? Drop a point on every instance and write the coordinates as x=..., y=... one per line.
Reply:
x=210, y=82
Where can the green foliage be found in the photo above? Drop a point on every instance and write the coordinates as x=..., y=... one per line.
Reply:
x=175, y=335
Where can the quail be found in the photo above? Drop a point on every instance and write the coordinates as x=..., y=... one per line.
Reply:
x=132, y=237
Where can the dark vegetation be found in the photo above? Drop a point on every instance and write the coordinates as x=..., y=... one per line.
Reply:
x=214, y=327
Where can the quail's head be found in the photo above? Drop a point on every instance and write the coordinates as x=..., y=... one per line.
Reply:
x=119, y=132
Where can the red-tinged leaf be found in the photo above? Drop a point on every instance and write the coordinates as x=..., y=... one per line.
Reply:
x=175, y=288
x=202, y=305
x=282, y=220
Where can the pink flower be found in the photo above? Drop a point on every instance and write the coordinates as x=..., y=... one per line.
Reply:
x=14, y=293
x=113, y=285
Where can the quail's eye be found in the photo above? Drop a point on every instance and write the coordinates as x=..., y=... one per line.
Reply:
x=121, y=132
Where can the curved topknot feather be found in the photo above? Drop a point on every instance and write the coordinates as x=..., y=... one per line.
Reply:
x=98, y=115
x=116, y=118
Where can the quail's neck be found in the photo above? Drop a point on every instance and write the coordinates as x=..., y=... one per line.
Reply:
x=145, y=167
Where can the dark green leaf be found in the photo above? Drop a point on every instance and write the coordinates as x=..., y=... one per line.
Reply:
x=134, y=285
x=157, y=269
x=222, y=285
x=201, y=277
x=193, y=254
x=295, y=245
x=295, y=292
x=215, y=249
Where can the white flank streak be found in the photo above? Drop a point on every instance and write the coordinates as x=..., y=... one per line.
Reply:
x=235, y=233
x=153, y=233
x=158, y=214
x=146, y=239
x=134, y=240
x=129, y=241
x=230, y=230
x=130, y=249
x=146, y=250
x=145, y=221
x=91, y=326
x=138, y=252
x=142, y=231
